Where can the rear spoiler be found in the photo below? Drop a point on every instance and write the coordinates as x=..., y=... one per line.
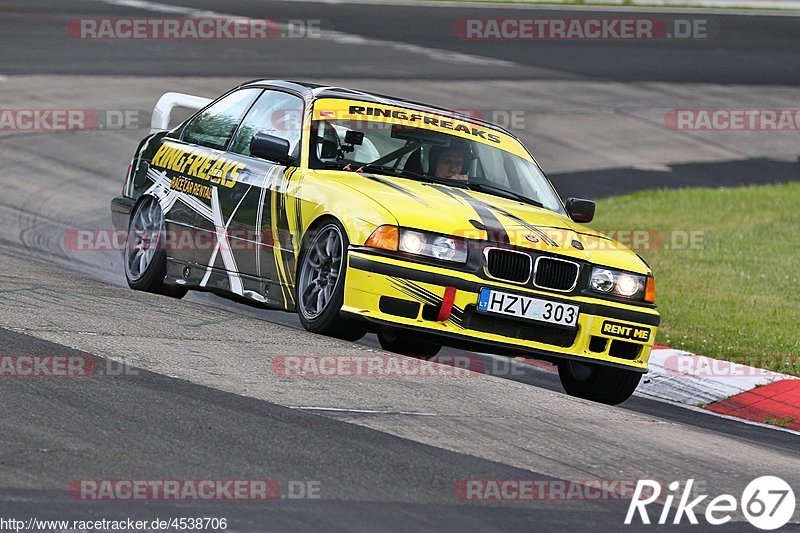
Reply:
x=168, y=102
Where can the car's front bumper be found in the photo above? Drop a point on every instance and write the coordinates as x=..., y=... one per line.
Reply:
x=392, y=291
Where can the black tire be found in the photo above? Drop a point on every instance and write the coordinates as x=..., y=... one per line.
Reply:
x=397, y=341
x=150, y=277
x=598, y=383
x=327, y=321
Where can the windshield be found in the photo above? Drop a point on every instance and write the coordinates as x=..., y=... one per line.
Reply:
x=426, y=147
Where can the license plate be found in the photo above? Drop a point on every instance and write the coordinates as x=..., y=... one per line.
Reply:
x=503, y=303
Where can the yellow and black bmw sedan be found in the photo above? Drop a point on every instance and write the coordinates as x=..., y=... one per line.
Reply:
x=363, y=212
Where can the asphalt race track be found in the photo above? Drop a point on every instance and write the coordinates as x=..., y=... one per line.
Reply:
x=200, y=397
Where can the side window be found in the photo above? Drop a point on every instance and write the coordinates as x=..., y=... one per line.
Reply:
x=275, y=113
x=213, y=127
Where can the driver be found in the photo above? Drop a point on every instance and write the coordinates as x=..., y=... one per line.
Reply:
x=448, y=162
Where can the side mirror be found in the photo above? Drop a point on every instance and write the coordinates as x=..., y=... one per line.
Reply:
x=580, y=210
x=270, y=148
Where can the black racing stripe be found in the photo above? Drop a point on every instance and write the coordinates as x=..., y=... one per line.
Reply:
x=396, y=187
x=447, y=192
x=298, y=213
x=600, y=236
x=275, y=196
x=408, y=292
x=457, y=316
x=418, y=293
x=422, y=293
x=488, y=207
x=544, y=236
x=425, y=296
x=284, y=233
x=430, y=296
x=409, y=274
x=283, y=223
x=529, y=226
x=494, y=228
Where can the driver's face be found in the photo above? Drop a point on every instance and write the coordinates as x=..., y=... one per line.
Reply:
x=449, y=164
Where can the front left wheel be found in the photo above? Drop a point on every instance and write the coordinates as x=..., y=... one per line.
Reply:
x=145, y=257
x=320, y=283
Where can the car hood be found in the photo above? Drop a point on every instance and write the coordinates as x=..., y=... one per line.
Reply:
x=477, y=215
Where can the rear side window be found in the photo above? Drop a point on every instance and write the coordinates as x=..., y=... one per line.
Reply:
x=214, y=127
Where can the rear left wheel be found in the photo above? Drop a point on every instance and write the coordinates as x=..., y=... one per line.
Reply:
x=145, y=257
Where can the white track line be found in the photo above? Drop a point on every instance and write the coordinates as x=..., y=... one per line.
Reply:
x=435, y=54
x=719, y=7
x=360, y=411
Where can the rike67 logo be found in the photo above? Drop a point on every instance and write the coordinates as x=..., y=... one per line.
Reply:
x=768, y=503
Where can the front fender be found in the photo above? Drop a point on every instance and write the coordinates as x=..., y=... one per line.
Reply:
x=322, y=194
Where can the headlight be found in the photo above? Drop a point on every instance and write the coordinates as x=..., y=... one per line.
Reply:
x=628, y=285
x=618, y=283
x=432, y=245
x=417, y=242
x=602, y=280
x=444, y=248
x=412, y=242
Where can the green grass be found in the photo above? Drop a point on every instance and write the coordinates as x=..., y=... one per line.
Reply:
x=736, y=295
x=780, y=422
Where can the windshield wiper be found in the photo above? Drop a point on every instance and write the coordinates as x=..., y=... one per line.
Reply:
x=500, y=191
x=403, y=173
x=394, y=171
x=360, y=167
